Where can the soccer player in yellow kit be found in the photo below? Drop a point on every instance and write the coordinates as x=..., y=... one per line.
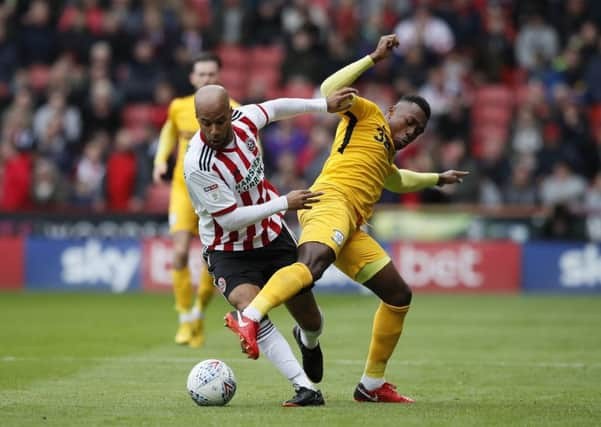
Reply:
x=180, y=126
x=360, y=165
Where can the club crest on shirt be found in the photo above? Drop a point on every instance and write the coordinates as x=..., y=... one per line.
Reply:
x=221, y=284
x=338, y=237
x=251, y=144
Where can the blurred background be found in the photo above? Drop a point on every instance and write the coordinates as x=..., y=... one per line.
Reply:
x=515, y=91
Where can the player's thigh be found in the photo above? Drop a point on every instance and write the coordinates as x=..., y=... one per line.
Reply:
x=362, y=257
x=181, y=212
x=233, y=270
x=330, y=222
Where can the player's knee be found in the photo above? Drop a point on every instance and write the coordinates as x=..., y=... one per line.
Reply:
x=401, y=297
x=180, y=258
x=316, y=257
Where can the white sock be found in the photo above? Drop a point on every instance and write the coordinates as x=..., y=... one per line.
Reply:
x=372, y=383
x=196, y=313
x=185, y=317
x=275, y=347
x=310, y=339
x=252, y=313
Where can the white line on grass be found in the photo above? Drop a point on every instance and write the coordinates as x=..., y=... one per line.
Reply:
x=500, y=364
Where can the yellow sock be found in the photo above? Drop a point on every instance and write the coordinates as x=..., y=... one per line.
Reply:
x=283, y=285
x=182, y=289
x=205, y=289
x=386, y=330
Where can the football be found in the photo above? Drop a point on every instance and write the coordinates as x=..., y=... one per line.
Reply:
x=211, y=383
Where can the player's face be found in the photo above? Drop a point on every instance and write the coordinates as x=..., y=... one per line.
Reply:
x=216, y=126
x=407, y=121
x=204, y=73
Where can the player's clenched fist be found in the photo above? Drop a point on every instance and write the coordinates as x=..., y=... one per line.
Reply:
x=302, y=199
x=384, y=48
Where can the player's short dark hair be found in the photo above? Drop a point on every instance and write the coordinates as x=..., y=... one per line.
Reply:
x=207, y=57
x=420, y=102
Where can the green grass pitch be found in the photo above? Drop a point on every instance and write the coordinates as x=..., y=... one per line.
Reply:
x=98, y=359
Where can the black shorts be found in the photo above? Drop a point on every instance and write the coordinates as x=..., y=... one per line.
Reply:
x=256, y=266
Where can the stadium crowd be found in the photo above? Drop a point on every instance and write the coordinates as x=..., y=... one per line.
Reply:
x=514, y=86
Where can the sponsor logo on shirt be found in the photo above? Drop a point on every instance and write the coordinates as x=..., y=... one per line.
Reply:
x=338, y=237
x=253, y=176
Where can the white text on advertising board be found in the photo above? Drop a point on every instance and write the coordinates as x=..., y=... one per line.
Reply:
x=447, y=268
x=580, y=267
x=92, y=265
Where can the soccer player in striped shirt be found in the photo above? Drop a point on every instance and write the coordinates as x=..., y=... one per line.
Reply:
x=360, y=165
x=180, y=126
x=241, y=225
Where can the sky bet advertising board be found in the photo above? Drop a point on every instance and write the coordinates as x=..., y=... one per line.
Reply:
x=561, y=267
x=83, y=264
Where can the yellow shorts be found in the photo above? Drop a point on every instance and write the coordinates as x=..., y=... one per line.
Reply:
x=181, y=213
x=333, y=222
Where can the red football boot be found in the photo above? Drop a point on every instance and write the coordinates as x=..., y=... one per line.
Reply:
x=246, y=329
x=386, y=393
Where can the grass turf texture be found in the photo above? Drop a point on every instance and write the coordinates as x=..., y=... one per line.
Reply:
x=98, y=359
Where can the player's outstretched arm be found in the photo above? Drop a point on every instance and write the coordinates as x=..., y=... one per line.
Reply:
x=167, y=141
x=406, y=181
x=347, y=75
x=243, y=216
x=285, y=108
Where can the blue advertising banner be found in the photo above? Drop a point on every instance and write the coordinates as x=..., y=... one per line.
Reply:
x=561, y=267
x=83, y=264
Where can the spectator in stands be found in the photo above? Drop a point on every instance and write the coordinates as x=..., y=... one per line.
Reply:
x=463, y=18
x=8, y=60
x=494, y=48
x=438, y=91
x=100, y=111
x=304, y=57
x=265, y=24
x=520, y=190
x=121, y=171
x=38, y=41
x=300, y=13
x=537, y=43
x=562, y=186
x=89, y=175
x=591, y=77
x=48, y=187
x=563, y=224
x=455, y=123
x=230, y=18
x=143, y=74
x=494, y=162
x=57, y=129
x=425, y=29
x=16, y=183
x=453, y=154
x=75, y=36
x=527, y=135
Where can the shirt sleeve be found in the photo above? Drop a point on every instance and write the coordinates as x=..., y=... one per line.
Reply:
x=209, y=191
x=282, y=108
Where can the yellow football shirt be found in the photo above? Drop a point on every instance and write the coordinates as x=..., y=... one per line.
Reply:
x=361, y=157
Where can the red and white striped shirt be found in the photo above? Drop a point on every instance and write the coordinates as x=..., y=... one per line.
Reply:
x=220, y=181
x=224, y=179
